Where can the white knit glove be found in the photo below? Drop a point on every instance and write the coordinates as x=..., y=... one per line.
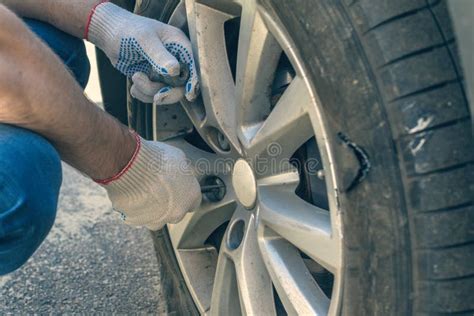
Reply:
x=156, y=188
x=136, y=44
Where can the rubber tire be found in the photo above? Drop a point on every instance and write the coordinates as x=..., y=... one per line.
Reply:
x=388, y=77
x=113, y=84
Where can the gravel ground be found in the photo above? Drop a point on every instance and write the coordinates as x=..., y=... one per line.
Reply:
x=90, y=262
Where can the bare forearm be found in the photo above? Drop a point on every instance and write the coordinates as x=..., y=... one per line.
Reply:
x=67, y=15
x=38, y=93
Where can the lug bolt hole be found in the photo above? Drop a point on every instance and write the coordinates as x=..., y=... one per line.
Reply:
x=218, y=140
x=236, y=234
x=222, y=141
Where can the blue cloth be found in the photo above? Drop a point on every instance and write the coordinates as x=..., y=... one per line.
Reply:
x=30, y=167
x=71, y=50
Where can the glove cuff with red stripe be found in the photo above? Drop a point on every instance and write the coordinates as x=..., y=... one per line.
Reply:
x=156, y=188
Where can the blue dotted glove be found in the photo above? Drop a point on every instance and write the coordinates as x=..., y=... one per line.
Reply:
x=138, y=46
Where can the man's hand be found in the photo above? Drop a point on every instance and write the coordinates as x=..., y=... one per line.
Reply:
x=157, y=186
x=137, y=46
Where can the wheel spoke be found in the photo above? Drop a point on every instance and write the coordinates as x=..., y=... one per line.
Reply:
x=193, y=231
x=206, y=27
x=297, y=290
x=199, y=267
x=257, y=59
x=255, y=291
x=178, y=18
x=287, y=127
x=225, y=294
x=253, y=281
x=305, y=226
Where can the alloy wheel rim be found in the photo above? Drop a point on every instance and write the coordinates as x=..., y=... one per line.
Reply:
x=259, y=259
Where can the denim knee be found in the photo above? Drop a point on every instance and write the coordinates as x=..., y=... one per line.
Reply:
x=30, y=178
x=71, y=50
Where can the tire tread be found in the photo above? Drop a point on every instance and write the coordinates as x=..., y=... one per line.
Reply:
x=421, y=79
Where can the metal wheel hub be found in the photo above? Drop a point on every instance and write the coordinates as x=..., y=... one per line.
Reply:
x=261, y=249
x=245, y=186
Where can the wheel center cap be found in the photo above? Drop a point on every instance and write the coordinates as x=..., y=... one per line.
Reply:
x=245, y=186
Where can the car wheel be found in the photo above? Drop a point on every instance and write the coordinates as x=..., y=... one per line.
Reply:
x=336, y=136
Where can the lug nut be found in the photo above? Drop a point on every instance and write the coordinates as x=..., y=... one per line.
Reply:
x=214, y=189
x=222, y=142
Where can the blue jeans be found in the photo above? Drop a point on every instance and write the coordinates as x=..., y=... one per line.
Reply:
x=30, y=167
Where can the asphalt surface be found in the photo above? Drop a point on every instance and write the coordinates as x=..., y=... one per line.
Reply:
x=90, y=262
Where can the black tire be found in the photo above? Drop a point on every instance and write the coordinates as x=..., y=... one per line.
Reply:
x=115, y=100
x=389, y=79
x=113, y=84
